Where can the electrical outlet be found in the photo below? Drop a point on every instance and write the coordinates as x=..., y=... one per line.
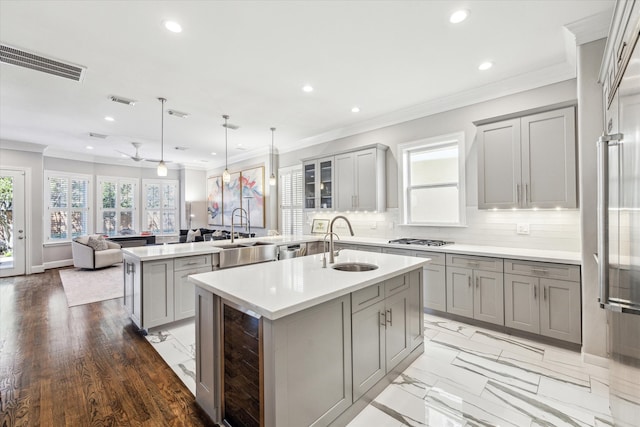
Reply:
x=522, y=228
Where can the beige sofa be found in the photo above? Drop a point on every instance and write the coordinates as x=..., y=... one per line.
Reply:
x=85, y=257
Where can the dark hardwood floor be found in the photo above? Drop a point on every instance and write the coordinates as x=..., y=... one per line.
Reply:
x=81, y=366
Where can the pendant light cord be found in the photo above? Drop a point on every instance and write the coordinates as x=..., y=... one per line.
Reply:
x=226, y=143
x=162, y=100
x=272, y=131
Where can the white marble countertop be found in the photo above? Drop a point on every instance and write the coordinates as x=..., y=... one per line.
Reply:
x=151, y=252
x=278, y=289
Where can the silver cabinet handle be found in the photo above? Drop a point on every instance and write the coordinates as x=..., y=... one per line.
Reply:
x=383, y=319
x=473, y=264
x=535, y=291
x=477, y=281
x=526, y=194
x=544, y=289
x=389, y=317
x=20, y=237
x=518, y=193
x=539, y=271
x=192, y=262
x=469, y=277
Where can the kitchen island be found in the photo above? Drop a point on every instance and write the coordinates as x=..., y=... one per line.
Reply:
x=293, y=344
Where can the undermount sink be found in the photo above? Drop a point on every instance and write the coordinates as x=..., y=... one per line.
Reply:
x=354, y=266
x=238, y=254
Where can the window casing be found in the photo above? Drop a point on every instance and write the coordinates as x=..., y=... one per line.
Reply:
x=432, y=179
x=291, y=200
x=68, y=199
x=160, y=206
x=117, y=212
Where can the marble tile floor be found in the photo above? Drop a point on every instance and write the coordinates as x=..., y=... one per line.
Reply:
x=467, y=376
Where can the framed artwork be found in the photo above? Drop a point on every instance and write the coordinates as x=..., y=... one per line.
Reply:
x=231, y=197
x=214, y=200
x=320, y=226
x=253, y=195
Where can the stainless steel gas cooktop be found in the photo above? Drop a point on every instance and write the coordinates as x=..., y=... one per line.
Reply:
x=421, y=242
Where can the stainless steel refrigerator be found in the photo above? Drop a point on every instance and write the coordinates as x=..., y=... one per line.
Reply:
x=619, y=245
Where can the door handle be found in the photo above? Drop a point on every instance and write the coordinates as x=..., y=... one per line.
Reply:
x=20, y=237
x=389, y=317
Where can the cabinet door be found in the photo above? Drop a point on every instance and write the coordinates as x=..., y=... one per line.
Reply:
x=459, y=291
x=157, y=290
x=435, y=289
x=499, y=170
x=522, y=304
x=415, y=313
x=366, y=196
x=344, y=182
x=397, y=333
x=310, y=196
x=560, y=310
x=549, y=159
x=488, y=301
x=325, y=183
x=368, y=337
x=184, y=293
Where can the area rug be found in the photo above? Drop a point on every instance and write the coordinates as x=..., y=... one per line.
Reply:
x=87, y=286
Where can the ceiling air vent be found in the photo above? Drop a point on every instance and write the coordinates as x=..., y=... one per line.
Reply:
x=177, y=113
x=121, y=100
x=98, y=135
x=21, y=58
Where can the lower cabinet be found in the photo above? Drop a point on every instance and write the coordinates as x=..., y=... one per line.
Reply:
x=543, y=306
x=184, y=291
x=475, y=293
x=157, y=293
x=434, y=281
x=381, y=321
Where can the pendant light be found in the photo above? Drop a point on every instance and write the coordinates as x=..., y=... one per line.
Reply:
x=272, y=179
x=162, y=168
x=226, y=176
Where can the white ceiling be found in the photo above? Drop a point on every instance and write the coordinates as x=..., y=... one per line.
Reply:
x=396, y=60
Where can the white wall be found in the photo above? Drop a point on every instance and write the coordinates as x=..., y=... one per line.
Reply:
x=559, y=230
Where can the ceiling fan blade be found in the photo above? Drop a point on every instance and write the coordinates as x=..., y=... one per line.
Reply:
x=156, y=160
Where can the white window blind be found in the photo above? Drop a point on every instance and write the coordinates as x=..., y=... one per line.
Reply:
x=291, y=200
x=433, y=180
x=67, y=200
x=117, y=206
x=160, y=206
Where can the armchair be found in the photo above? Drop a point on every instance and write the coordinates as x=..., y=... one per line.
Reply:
x=84, y=256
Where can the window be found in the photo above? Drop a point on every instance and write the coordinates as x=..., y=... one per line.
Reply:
x=290, y=188
x=432, y=176
x=117, y=206
x=160, y=203
x=68, y=200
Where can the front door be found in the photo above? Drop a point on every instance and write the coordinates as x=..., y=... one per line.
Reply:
x=12, y=231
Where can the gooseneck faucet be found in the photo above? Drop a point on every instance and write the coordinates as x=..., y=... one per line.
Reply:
x=331, y=233
x=247, y=227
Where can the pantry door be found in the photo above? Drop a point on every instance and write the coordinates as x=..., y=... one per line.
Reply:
x=12, y=223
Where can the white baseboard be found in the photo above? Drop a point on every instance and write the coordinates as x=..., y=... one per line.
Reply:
x=58, y=264
x=37, y=269
x=592, y=359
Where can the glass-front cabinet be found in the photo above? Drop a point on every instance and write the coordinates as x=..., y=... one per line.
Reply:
x=318, y=184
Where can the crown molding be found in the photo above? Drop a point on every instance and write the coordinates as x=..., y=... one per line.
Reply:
x=591, y=28
x=6, y=144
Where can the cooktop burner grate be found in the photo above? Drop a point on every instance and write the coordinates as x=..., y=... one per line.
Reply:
x=422, y=242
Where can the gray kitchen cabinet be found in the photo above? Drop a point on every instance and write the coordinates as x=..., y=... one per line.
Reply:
x=544, y=298
x=184, y=292
x=415, y=313
x=382, y=329
x=361, y=179
x=157, y=289
x=434, y=281
x=528, y=162
x=133, y=289
x=475, y=287
x=319, y=183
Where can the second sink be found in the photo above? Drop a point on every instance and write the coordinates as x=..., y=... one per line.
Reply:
x=354, y=266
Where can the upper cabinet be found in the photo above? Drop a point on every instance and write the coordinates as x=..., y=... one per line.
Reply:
x=347, y=181
x=318, y=183
x=528, y=161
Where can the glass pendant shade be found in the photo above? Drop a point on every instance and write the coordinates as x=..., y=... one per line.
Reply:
x=272, y=179
x=162, y=169
x=226, y=176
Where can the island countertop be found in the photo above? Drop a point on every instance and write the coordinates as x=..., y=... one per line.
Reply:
x=278, y=289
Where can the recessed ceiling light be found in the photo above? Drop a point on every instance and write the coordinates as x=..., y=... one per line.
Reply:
x=307, y=88
x=485, y=66
x=110, y=119
x=355, y=110
x=89, y=147
x=213, y=153
x=173, y=26
x=458, y=16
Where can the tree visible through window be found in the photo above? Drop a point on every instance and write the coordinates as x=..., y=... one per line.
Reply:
x=68, y=204
x=116, y=212
x=291, y=200
x=160, y=214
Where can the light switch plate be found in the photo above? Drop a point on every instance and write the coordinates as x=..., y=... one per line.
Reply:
x=522, y=228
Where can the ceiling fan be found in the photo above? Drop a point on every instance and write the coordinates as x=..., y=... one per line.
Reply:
x=136, y=157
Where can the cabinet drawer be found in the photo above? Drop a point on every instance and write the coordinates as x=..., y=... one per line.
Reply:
x=394, y=251
x=474, y=262
x=367, y=296
x=436, y=257
x=192, y=262
x=543, y=269
x=396, y=284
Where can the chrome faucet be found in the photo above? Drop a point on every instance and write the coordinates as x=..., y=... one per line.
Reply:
x=247, y=227
x=331, y=233
x=324, y=248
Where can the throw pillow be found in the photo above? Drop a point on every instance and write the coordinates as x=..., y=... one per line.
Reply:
x=191, y=235
x=97, y=243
